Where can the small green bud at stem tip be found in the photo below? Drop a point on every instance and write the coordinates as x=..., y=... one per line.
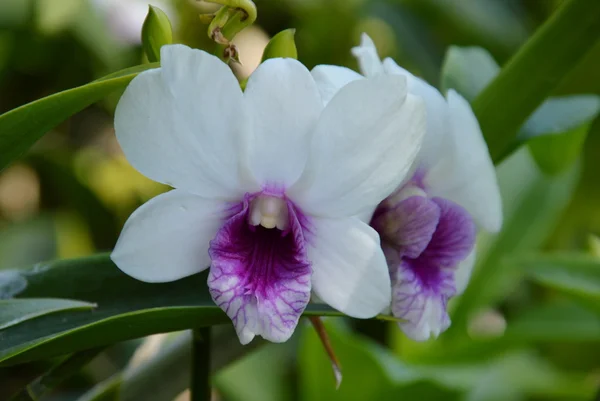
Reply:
x=156, y=32
x=281, y=45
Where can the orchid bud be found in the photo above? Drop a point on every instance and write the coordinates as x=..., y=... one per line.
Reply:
x=281, y=45
x=156, y=32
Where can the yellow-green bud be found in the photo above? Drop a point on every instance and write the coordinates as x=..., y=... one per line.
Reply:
x=281, y=45
x=156, y=32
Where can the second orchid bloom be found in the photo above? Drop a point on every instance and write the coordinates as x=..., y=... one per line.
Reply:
x=428, y=225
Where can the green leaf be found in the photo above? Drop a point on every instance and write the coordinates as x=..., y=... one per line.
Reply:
x=532, y=206
x=160, y=367
x=11, y=283
x=369, y=371
x=127, y=309
x=281, y=45
x=468, y=70
x=576, y=275
x=557, y=130
x=553, y=322
x=44, y=384
x=531, y=75
x=22, y=127
x=156, y=32
x=17, y=311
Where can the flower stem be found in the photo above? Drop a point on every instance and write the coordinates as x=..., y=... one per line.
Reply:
x=324, y=337
x=534, y=71
x=200, y=375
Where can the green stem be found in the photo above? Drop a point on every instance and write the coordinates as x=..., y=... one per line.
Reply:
x=534, y=71
x=200, y=380
x=55, y=376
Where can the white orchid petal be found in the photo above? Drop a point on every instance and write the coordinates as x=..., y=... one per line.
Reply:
x=368, y=60
x=167, y=238
x=183, y=124
x=285, y=105
x=432, y=149
x=467, y=175
x=462, y=275
x=331, y=78
x=349, y=268
x=363, y=147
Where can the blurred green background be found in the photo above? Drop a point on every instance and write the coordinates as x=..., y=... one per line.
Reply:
x=512, y=339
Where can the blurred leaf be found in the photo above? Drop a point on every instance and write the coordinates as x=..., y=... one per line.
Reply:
x=15, y=12
x=534, y=71
x=159, y=370
x=27, y=242
x=576, y=275
x=239, y=382
x=557, y=130
x=521, y=374
x=281, y=45
x=532, y=206
x=369, y=372
x=44, y=384
x=11, y=283
x=156, y=32
x=61, y=187
x=594, y=245
x=127, y=308
x=53, y=16
x=22, y=127
x=92, y=29
x=468, y=70
x=16, y=311
x=561, y=114
x=554, y=321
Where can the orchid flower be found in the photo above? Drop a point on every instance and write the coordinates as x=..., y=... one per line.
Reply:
x=428, y=225
x=268, y=183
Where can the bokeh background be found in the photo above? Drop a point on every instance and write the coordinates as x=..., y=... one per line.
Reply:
x=70, y=195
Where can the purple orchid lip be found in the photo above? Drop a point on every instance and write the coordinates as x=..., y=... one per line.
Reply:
x=260, y=274
x=424, y=240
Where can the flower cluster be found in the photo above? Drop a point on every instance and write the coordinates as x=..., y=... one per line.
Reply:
x=363, y=191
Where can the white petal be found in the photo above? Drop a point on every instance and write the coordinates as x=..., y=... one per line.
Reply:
x=467, y=175
x=285, y=104
x=363, y=147
x=183, y=124
x=167, y=238
x=462, y=275
x=437, y=114
x=349, y=269
x=331, y=78
x=367, y=57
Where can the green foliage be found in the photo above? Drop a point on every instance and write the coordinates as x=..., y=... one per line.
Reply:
x=560, y=43
x=575, y=275
x=126, y=309
x=17, y=311
x=22, y=127
x=532, y=206
x=555, y=132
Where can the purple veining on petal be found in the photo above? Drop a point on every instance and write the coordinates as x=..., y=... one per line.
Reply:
x=260, y=277
x=423, y=276
x=407, y=225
